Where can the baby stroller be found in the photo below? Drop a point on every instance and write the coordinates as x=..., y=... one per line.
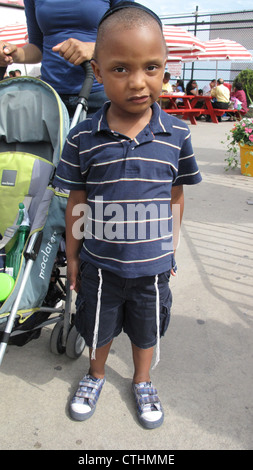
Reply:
x=33, y=127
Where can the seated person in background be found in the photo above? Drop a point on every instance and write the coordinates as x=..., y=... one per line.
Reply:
x=222, y=95
x=239, y=93
x=192, y=89
x=207, y=88
x=180, y=87
x=166, y=88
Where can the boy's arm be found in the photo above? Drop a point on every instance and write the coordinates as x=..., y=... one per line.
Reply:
x=177, y=207
x=73, y=242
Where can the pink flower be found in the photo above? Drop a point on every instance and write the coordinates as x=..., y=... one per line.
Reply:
x=243, y=124
x=247, y=129
x=251, y=138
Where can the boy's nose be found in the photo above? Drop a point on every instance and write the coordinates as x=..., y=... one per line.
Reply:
x=137, y=80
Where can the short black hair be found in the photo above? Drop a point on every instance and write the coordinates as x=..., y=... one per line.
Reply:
x=129, y=15
x=238, y=85
x=129, y=4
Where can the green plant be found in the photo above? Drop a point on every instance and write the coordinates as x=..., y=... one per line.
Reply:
x=240, y=134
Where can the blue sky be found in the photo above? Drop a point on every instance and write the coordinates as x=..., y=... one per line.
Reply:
x=166, y=7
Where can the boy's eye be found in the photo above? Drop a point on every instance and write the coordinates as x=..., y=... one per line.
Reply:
x=119, y=69
x=151, y=68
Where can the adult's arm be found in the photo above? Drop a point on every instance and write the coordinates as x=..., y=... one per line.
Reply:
x=10, y=53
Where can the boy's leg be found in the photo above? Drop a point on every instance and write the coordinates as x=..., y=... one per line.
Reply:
x=149, y=408
x=142, y=359
x=143, y=324
x=97, y=365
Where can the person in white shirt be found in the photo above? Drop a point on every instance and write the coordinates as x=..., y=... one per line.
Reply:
x=208, y=88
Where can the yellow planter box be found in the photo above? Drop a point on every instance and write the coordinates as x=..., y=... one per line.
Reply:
x=246, y=155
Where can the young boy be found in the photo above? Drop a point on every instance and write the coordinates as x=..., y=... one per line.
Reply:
x=129, y=159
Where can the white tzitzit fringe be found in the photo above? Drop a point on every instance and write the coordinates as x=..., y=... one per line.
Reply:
x=157, y=323
x=95, y=334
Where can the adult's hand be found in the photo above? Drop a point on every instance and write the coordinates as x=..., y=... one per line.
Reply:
x=7, y=50
x=28, y=54
x=75, y=51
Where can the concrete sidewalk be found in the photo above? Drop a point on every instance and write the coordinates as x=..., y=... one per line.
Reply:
x=205, y=374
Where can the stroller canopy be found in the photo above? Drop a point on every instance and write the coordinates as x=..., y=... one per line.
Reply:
x=32, y=112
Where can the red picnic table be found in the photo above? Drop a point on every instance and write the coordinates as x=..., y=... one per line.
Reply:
x=185, y=105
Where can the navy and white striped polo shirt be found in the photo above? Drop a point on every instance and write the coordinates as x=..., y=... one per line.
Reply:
x=128, y=184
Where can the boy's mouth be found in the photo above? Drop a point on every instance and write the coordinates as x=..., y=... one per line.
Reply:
x=139, y=99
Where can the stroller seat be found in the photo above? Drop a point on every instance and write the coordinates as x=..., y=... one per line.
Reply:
x=33, y=127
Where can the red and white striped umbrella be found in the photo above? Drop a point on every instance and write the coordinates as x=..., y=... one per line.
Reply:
x=16, y=34
x=174, y=58
x=220, y=49
x=179, y=41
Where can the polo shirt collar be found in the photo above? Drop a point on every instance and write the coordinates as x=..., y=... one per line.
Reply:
x=160, y=122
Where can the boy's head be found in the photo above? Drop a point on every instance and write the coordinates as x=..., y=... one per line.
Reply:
x=130, y=55
x=126, y=15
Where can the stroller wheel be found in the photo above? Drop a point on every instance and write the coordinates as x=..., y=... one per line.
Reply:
x=56, y=345
x=75, y=344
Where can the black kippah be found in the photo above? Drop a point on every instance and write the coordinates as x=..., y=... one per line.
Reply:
x=122, y=5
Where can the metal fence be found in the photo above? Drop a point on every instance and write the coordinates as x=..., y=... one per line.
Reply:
x=235, y=25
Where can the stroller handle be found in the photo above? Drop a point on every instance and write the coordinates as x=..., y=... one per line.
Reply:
x=88, y=82
x=82, y=102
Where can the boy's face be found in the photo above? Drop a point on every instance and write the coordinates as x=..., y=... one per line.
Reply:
x=130, y=63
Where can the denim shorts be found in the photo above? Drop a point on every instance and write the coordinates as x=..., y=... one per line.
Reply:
x=125, y=304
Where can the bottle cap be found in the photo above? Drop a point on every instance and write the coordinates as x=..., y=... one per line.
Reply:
x=6, y=284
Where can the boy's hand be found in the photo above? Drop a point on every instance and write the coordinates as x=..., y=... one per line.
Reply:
x=172, y=272
x=73, y=274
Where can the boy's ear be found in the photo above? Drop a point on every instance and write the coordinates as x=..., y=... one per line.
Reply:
x=96, y=70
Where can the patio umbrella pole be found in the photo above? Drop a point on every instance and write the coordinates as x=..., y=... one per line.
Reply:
x=195, y=32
